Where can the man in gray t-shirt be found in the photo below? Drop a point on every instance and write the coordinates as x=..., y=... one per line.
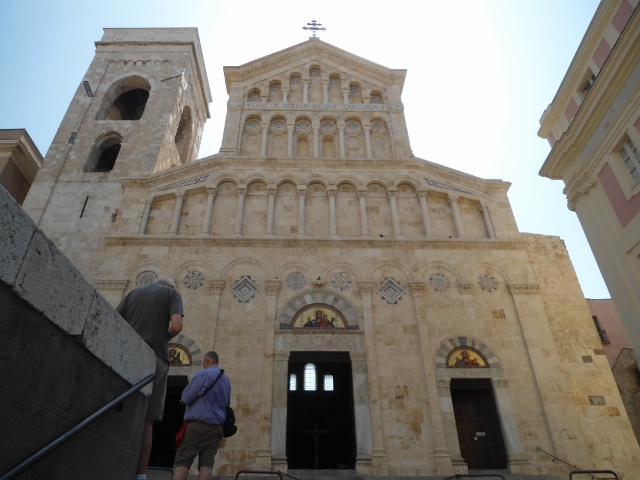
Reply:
x=155, y=312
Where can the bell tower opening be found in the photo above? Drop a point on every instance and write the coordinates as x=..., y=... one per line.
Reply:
x=320, y=413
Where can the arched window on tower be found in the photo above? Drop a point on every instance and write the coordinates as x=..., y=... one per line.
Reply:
x=310, y=377
x=293, y=382
x=104, y=153
x=183, y=135
x=125, y=99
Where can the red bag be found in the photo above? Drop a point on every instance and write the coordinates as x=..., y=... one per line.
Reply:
x=181, y=432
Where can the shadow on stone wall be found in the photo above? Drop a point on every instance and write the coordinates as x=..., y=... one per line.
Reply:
x=67, y=353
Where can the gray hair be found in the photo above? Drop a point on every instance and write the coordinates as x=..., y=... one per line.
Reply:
x=166, y=281
x=212, y=356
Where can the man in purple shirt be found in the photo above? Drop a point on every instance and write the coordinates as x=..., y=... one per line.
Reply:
x=206, y=412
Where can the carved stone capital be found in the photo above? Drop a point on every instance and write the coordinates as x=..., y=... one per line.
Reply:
x=281, y=356
x=105, y=284
x=366, y=288
x=422, y=194
x=361, y=194
x=358, y=356
x=500, y=382
x=524, y=289
x=451, y=199
x=216, y=286
x=332, y=192
x=443, y=383
x=181, y=195
x=211, y=191
x=149, y=202
x=302, y=193
x=272, y=287
x=417, y=288
x=392, y=194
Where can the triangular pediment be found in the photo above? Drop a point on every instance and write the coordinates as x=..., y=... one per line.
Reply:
x=314, y=51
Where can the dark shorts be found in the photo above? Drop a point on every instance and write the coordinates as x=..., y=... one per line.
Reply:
x=200, y=439
x=155, y=405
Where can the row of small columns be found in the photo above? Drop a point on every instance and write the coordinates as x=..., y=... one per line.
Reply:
x=302, y=193
x=305, y=93
x=316, y=139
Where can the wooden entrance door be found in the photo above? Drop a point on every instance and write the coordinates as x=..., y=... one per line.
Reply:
x=479, y=431
x=320, y=417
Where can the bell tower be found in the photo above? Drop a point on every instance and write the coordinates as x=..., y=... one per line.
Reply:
x=140, y=109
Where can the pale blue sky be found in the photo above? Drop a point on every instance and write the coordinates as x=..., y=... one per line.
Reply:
x=479, y=75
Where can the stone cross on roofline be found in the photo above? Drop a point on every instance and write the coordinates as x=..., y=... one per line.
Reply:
x=314, y=27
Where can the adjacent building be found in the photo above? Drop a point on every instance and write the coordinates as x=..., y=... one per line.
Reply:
x=593, y=126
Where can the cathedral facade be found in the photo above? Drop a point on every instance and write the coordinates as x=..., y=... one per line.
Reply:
x=374, y=311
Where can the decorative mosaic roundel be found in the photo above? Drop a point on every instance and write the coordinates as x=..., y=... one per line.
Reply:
x=296, y=280
x=254, y=96
x=376, y=99
x=295, y=80
x=440, y=282
x=314, y=73
x=193, y=280
x=354, y=90
x=377, y=126
x=352, y=126
x=145, y=278
x=488, y=282
x=341, y=281
x=327, y=125
x=253, y=124
x=303, y=125
x=275, y=88
x=334, y=81
x=278, y=124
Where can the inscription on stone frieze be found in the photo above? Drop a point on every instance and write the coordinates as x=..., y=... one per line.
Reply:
x=317, y=106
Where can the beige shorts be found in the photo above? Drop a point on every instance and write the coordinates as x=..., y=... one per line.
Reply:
x=200, y=439
x=155, y=405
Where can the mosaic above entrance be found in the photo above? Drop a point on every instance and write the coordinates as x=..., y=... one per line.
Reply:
x=466, y=357
x=319, y=315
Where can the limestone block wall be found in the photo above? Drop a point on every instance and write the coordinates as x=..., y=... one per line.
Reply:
x=67, y=354
x=68, y=194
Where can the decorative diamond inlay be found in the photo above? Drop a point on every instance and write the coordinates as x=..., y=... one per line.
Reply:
x=440, y=282
x=244, y=289
x=341, y=281
x=391, y=290
x=194, y=280
x=488, y=282
x=296, y=280
x=145, y=278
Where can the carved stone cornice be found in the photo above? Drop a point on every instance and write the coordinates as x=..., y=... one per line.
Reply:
x=524, y=289
x=216, y=286
x=272, y=287
x=289, y=242
x=366, y=288
x=417, y=288
x=579, y=188
x=218, y=163
x=105, y=284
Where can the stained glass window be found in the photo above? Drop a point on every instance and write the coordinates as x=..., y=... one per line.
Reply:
x=310, y=377
x=328, y=383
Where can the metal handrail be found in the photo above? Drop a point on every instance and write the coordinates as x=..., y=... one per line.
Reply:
x=37, y=456
x=469, y=475
x=259, y=472
x=539, y=449
x=589, y=472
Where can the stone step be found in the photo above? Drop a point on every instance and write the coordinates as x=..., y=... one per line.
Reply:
x=349, y=475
